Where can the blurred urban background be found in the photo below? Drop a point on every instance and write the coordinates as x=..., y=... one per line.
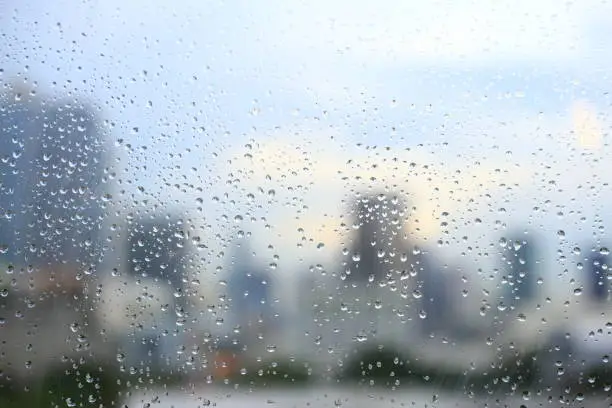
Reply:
x=444, y=231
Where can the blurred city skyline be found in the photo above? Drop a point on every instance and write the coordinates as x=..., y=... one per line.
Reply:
x=245, y=123
x=406, y=196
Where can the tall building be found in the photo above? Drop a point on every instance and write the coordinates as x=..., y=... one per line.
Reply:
x=377, y=244
x=597, y=270
x=52, y=160
x=249, y=292
x=52, y=163
x=520, y=268
x=435, y=296
x=157, y=250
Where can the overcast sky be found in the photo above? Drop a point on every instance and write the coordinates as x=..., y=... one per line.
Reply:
x=492, y=111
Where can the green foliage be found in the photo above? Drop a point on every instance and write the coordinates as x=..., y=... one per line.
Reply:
x=387, y=367
x=390, y=368
x=276, y=373
x=85, y=386
x=591, y=381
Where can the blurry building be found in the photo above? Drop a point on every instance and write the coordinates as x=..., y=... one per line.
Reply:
x=152, y=297
x=597, y=270
x=436, y=308
x=158, y=251
x=520, y=269
x=368, y=301
x=377, y=244
x=52, y=164
x=249, y=292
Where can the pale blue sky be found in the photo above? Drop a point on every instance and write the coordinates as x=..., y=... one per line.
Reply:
x=492, y=93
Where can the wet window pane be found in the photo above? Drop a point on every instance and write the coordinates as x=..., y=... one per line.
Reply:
x=305, y=204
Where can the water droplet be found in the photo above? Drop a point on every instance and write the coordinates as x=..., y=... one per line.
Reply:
x=526, y=395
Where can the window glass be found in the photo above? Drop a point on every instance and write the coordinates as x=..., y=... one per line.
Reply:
x=305, y=203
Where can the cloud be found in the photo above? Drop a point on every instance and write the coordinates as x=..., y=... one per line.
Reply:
x=435, y=31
